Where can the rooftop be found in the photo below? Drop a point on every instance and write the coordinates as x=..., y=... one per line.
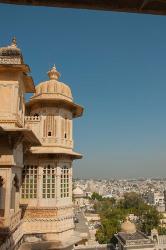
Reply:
x=53, y=92
x=147, y=6
x=11, y=54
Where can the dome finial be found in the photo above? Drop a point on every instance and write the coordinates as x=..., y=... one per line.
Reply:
x=14, y=42
x=53, y=74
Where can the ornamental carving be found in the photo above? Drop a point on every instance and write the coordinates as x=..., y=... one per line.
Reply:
x=43, y=213
x=10, y=60
x=6, y=159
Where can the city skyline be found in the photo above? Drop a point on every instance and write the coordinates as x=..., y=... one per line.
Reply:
x=115, y=65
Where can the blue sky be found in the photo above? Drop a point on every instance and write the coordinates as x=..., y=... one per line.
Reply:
x=115, y=64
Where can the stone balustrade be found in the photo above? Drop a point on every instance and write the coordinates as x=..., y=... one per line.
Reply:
x=95, y=245
x=58, y=141
x=15, y=220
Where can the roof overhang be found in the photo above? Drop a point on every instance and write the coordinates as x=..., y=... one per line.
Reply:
x=17, y=67
x=28, y=80
x=29, y=84
x=28, y=135
x=157, y=7
x=76, y=109
x=55, y=151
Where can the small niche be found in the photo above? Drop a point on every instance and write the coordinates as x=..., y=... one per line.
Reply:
x=49, y=133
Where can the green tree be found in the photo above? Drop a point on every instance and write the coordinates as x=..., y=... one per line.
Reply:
x=162, y=230
x=104, y=205
x=113, y=214
x=131, y=201
x=111, y=219
x=150, y=219
x=96, y=196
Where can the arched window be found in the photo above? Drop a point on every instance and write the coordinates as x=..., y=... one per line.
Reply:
x=64, y=182
x=16, y=183
x=155, y=238
x=1, y=197
x=49, y=126
x=14, y=190
x=1, y=181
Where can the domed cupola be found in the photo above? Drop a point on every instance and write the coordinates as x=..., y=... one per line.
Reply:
x=53, y=92
x=78, y=192
x=11, y=54
x=53, y=88
x=128, y=227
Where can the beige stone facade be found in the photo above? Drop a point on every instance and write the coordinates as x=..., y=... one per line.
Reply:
x=36, y=154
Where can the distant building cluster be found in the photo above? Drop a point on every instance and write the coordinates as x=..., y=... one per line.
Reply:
x=152, y=190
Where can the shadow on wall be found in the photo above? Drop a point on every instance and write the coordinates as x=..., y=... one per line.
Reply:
x=6, y=241
x=43, y=246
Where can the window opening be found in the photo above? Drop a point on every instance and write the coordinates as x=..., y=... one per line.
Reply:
x=49, y=181
x=29, y=182
x=64, y=182
x=49, y=133
x=49, y=126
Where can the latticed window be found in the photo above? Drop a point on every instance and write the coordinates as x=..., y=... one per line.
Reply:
x=49, y=126
x=29, y=182
x=49, y=173
x=64, y=182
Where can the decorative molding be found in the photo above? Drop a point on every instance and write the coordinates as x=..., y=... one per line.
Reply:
x=60, y=219
x=10, y=60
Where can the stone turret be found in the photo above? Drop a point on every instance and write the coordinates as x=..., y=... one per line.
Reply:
x=14, y=83
x=50, y=113
x=15, y=139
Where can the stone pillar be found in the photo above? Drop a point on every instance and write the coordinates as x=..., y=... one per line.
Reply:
x=13, y=195
x=58, y=129
x=70, y=182
x=58, y=183
x=8, y=183
x=39, y=184
x=71, y=130
x=17, y=200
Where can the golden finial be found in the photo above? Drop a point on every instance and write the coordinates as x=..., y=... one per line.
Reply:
x=14, y=42
x=53, y=74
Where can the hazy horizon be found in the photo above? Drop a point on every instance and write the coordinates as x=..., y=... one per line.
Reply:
x=122, y=178
x=115, y=65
